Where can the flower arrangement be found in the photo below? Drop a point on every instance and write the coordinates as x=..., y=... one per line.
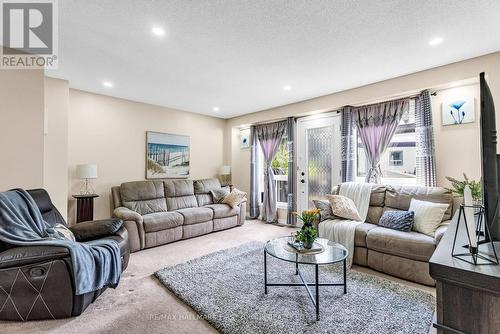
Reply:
x=308, y=233
x=458, y=187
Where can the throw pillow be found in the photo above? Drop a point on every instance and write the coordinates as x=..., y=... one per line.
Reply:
x=325, y=210
x=219, y=194
x=428, y=215
x=397, y=220
x=343, y=207
x=64, y=232
x=234, y=198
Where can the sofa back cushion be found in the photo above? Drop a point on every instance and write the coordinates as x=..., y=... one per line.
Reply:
x=180, y=194
x=202, y=190
x=143, y=197
x=399, y=197
x=377, y=202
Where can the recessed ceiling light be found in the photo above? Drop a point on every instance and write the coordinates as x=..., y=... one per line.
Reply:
x=215, y=109
x=158, y=31
x=436, y=41
x=107, y=84
x=287, y=87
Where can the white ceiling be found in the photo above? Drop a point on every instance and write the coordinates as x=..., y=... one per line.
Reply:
x=239, y=54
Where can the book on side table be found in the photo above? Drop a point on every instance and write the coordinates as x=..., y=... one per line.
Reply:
x=299, y=247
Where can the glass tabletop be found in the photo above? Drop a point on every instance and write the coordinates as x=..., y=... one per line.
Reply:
x=332, y=253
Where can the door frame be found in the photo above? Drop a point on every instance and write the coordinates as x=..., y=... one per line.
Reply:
x=302, y=198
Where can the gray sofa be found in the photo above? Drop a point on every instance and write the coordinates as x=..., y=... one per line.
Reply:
x=401, y=254
x=159, y=212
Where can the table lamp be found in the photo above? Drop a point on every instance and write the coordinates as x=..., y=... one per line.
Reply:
x=86, y=172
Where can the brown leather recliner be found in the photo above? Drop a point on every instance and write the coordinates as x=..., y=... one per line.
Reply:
x=36, y=282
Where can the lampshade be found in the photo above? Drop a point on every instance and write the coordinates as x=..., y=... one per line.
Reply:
x=86, y=171
x=225, y=170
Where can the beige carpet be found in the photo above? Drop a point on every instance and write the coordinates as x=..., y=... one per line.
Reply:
x=141, y=304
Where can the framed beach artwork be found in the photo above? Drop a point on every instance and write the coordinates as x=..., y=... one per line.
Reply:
x=458, y=111
x=245, y=138
x=167, y=156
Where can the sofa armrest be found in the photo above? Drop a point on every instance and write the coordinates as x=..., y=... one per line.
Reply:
x=96, y=229
x=243, y=212
x=133, y=222
x=127, y=214
x=20, y=256
x=440, y=231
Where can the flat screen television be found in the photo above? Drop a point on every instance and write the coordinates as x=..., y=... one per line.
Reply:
x=490, y=162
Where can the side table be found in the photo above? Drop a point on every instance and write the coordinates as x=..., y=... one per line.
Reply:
x=85, y=207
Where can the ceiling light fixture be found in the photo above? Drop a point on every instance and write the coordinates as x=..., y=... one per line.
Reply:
x=107, y=84
x=287, y=87
x=215, y=109
x=158, y=31
x=436, y=41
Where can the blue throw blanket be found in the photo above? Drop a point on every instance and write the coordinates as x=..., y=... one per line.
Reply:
x=96, y=264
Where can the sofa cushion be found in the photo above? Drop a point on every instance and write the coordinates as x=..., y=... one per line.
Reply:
x=223, y=210
x=206, y=185
x=377, y=197
x=399, y=197
x=143, y=197
x=196, y=215
x=202, y=189
x=159, y=221
x=398, y=220
x=411, y=245
x=180, y=194
x=361, y=233
x=374, y=214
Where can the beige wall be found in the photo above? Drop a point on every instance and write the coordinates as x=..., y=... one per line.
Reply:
x=21, y=128
x=457, y=146
x=411, y=83
x=55, y=173
x=111, y=133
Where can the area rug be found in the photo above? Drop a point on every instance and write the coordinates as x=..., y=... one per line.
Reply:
x=226, y=288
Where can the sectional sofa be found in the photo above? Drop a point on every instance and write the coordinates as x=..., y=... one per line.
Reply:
x=159, y=212
x=401, y=254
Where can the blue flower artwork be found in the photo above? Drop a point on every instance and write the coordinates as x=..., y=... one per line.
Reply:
x=458, y=112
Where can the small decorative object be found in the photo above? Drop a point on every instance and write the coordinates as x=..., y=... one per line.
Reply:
x=225, y=175
x=167, y=156
x=458, y=112
x=457, y=187
x=86, y=172
x=308, y=233
x=245, y=138
x=473, y=216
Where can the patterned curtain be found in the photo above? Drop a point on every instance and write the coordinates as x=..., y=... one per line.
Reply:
x=425, y=156
x=254, y=178
x=376, y=124
x=269, y=136
x=348, y=146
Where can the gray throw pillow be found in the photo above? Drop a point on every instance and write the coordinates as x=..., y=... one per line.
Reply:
x=218, y=195
x=398, y=220
x=325, y=209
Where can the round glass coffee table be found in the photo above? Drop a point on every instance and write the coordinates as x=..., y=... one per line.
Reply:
x=332, y=253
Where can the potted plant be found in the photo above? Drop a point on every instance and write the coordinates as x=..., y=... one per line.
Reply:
x=308, y=233
x=458, y=188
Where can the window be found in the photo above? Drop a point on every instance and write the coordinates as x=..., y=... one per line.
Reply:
x=396, y=158
x=280, y=169
x=398, y=163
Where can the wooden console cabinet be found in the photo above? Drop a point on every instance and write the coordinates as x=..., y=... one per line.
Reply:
x=468, y=296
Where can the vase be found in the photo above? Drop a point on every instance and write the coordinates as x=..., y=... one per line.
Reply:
x=308, y=244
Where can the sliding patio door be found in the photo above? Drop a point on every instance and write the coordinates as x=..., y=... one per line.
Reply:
x=318, y=158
